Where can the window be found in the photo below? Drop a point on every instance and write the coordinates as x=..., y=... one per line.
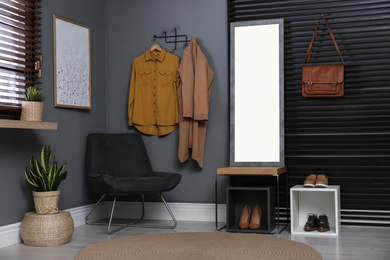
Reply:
x=20, y=52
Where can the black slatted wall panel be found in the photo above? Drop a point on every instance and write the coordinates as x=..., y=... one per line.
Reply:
x=347, y=138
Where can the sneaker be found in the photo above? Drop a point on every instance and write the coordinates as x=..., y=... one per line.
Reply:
x=310, y=180
x=323, y=223
x=322, y=181
x=311, y=223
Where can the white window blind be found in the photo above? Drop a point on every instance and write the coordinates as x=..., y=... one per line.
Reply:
x=20, y=52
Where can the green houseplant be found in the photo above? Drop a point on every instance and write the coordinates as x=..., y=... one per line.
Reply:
x=32, y=106
x=45, y=179
x=34, y=94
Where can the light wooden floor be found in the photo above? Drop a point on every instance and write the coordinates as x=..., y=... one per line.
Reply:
x=359, y=243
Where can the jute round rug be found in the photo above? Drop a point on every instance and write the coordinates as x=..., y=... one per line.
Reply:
x=198, y=245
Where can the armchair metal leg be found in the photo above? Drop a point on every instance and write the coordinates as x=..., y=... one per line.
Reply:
x=170, y=212
x=125, y=225
x=159, y=226
x=86, y=218
x=132, y=224
x=109, y=231
x=121, y=226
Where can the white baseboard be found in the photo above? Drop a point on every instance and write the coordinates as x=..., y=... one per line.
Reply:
x=157, y=211
x=9, y=234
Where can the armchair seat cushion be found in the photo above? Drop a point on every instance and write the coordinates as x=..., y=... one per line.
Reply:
x=154, y=183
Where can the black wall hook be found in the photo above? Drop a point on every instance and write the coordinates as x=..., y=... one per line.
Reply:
x=165, y=36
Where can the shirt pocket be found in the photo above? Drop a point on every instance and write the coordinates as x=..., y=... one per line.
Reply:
x=145, y=76
x=165, y=78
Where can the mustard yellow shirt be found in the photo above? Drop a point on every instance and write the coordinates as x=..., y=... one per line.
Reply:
x=153, y=105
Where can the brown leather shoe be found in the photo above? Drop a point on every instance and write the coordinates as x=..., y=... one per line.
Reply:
x=310, y=181
x=245, y=217
x=322, y=181
x=256, y=218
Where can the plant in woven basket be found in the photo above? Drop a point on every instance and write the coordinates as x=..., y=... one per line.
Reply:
x=32, y=106
x=33, y=93
x=45, y=178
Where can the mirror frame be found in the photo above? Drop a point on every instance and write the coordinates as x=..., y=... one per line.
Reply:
x=254, y=25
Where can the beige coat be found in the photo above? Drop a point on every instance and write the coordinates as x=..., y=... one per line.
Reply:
x=194, y=79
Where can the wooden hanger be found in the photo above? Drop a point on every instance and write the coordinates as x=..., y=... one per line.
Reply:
x=155, y=47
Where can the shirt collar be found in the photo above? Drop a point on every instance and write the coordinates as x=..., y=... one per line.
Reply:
x=149, y=56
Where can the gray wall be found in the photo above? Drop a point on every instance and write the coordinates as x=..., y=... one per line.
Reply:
x=131, y=26
x=120, y=31
x=68, y=142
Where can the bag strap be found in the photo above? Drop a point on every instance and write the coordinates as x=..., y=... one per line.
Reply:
x=308, y=54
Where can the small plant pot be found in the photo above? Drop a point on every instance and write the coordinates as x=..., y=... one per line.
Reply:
x=31, y=111
x=46, y=202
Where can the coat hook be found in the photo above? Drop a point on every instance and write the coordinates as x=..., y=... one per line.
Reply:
x=177, y=38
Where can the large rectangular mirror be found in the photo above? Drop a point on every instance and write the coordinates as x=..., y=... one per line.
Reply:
x=257, y=93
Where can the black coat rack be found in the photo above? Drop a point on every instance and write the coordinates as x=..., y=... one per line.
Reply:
x=178, y=38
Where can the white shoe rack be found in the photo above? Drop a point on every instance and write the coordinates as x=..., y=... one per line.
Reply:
x=305, y=200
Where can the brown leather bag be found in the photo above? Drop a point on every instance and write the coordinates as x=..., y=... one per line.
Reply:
x=326, y=80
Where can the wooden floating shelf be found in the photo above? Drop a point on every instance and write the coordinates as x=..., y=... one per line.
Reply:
x=252, y=170
x=18, y=124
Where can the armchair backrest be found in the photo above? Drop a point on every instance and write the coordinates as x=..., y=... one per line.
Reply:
x=118, y=155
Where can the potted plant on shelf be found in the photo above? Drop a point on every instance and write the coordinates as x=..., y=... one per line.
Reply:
x=32, y=106
x=45, y=179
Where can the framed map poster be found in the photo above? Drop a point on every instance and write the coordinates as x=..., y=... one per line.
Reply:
x=72, y=64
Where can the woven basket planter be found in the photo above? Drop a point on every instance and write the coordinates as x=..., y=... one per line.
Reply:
x=31, y=111
x=46, y=202
x=46, y=230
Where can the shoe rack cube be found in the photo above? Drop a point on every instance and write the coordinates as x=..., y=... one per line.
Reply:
x=237, y=197
x=305, y=200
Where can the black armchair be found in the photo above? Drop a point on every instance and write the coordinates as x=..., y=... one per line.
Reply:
x=117, y=165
